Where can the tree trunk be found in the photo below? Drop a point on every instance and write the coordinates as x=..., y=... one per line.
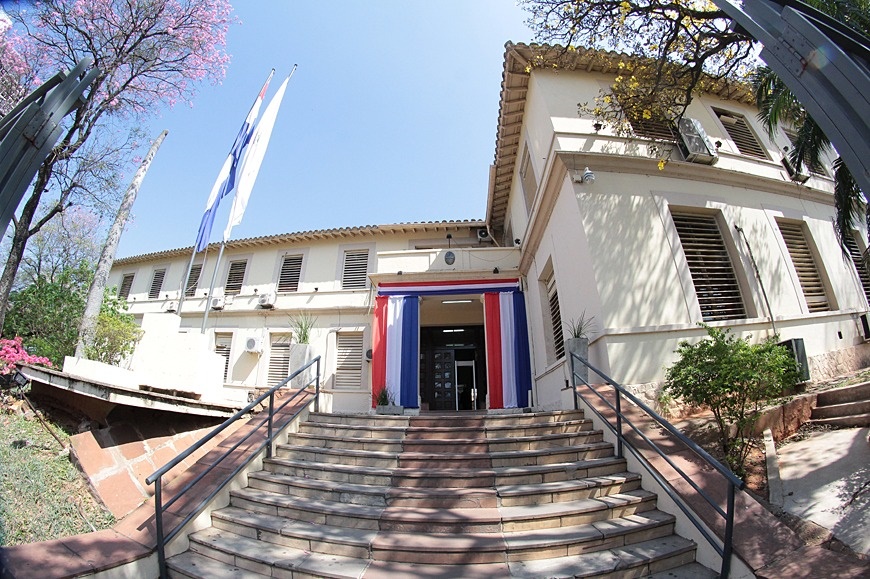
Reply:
x=88, y=325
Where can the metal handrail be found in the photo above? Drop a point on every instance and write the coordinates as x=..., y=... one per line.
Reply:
x=734, y=483
x=156, y=478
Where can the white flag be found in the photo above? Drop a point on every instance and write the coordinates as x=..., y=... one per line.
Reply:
x=254, y=158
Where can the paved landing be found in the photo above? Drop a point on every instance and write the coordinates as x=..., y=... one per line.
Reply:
x=826, y=479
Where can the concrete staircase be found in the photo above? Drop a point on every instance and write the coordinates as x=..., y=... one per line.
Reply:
x=849, y=406
x=518, y=495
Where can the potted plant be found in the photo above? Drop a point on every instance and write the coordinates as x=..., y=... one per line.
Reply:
x=386, y=404
x=578, y=343
x=301, y=351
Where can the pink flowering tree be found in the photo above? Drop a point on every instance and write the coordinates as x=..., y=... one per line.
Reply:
x=150, y=53
x=13, y=354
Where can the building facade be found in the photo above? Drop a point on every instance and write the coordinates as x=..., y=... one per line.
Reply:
x=651, y=233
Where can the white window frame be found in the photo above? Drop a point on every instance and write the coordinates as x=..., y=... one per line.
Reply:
x=228, y=267
x=811, y=277
x=342, y=253
x=343, y=365
x=132, y=276
x=162, y=270
x=303, y=254
x=225, y=351
x=279, y=357
x=750, y=133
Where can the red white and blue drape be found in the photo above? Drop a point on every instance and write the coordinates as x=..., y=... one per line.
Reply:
x=396, y=339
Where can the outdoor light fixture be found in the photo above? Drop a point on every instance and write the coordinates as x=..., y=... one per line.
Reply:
x=597, y=126
x=449, y=238
x=586, y=177
x=495, y=270
x=20, y=379
x=517, y=241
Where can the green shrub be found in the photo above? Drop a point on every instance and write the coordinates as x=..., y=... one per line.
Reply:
x=731, y=377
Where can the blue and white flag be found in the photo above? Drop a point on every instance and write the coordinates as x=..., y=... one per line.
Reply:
x=254, y=158
x=226, y=179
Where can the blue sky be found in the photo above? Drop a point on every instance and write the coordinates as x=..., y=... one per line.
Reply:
x=390, y=117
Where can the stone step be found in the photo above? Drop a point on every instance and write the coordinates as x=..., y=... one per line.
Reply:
x=510, y=440
x=374, y=420
x=313, y=511
x=859, y=420
x=435, y=546
x=326, y=441
x=192, y=565
x=845, y=394
x=352, y=430
x=371, y=458
x=636, y=560
x=568, y=490
x=372, y=495
x=271, y=560
x=852, y=408
x=417, y=478
x=490, y=420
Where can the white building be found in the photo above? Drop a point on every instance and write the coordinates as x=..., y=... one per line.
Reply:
x=721, y=234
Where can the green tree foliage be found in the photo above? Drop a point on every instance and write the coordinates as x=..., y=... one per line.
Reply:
x=46, y=313
x=116, y=334
x=732, y=378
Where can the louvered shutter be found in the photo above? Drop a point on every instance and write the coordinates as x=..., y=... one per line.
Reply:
x=126, y=285
x=804, y=265
x=222, y=344
x=193, y=280
x=279, y=359
x=235, y=277
x=741, y=133
x=710, y=266
x=356, y=263
x=858, y=260
x=156, y=284
x=348, y=370
x=555, y=318
x=656, y=129
x=291, y=268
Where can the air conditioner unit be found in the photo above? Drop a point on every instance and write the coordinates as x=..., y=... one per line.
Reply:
x=170, y=307
x=217, y=303
x=694, y=142
x=254, y=344
x=483, y=234
x=796, y=176
x=266, y=300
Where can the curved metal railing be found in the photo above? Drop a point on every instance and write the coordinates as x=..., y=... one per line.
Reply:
x=156, y=478
x=725, y=550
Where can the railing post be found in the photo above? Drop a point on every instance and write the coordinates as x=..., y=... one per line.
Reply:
x=573, y=383
x=317, y=388
x=618, y=422
x=158, y=525
x=269, y=428
x=727, y=546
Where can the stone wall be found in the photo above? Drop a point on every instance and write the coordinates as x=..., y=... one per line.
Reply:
x=838, y=362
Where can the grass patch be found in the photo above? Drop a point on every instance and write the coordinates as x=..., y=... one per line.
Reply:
x=42, y=495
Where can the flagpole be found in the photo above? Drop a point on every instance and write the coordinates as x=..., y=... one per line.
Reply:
x=222, y=187
x=254, y=153
x=217, y=265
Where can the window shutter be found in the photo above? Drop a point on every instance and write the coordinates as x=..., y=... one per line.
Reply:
x=654, y=129
x=222, y=344
x=193, y=280
x=348, y=370
x=858, y=260
x=279, y=359
x=356, y=264
x=805, y=265
x=156, y=284
x=740, y=132
x=291, y=268
x=126, y=284
x=555, y=318
x=710, y=265
x=530, y=183
x=235, y=277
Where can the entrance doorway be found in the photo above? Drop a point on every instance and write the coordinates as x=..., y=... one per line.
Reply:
x=452, y=368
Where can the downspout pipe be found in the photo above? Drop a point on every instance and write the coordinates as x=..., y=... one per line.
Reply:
x=757, y=276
